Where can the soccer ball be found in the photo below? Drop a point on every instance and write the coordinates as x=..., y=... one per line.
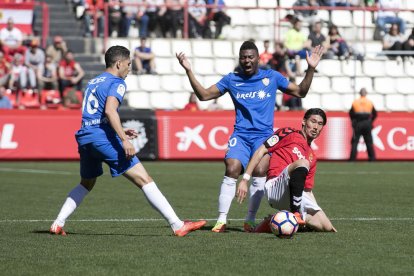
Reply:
x=284, y=224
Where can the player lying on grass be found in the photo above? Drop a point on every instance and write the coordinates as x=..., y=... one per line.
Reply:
x=290, y=177
x=102, y=139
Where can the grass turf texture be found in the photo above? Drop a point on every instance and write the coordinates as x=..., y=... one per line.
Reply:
x=370, y=204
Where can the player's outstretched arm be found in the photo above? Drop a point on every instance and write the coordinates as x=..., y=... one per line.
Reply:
x=302, y=89
x=202, y=93
x=243, y=185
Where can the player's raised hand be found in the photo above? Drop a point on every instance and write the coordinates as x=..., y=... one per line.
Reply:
x=241, y=191
x=315, y=56
x=182, y=59
x=131, y=133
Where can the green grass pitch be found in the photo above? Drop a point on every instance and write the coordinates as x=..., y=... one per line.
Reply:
x=116, y=232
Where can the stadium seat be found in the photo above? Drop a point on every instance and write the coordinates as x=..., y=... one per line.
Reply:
x=149, y=82
x=161, y=47
x=186, y=83
x=177, y=68
x=408, y=17
x=223, y=48
x=363, y=82
x=384, y=85
x=351, y=68
x=138, y=99
x=409, y=68
x=395, y=102
x=118, y=41
x=342, y=85
x=210, y=80
x=163, y=65
x=335, y=102
x=342, y=18
x=171, y=83
x=203, y=66
x=311, y=101
x=394, y=68
x=161, y=100
x=134, y=43
x=180, y=99
x=362, y=18
x=233, y=33
x=132, y=82
x=182, y=45
x=374, y=68
x=330, y=67
x=321, y=85
x=259, y=17
x=266, y=4
x=372, y=49
x=238, y=17
x=405, y=86
x=223, y=66
x=202, y=48
x=50, y=98
x=365, y=34
x=378, y=101
x=28, y=99
x=410, y=102
x=247, y=3
x=286, y=3
x=226, y=102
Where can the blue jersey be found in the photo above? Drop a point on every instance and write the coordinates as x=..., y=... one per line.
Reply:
x=95, y=126
x=254, y=99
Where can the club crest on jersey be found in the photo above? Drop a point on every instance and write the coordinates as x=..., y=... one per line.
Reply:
x=310, y=157
x=266, y=81
x=121, y=90
x=273, y=140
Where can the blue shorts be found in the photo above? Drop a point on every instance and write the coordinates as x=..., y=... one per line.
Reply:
x=242, y=146
x=111, y=152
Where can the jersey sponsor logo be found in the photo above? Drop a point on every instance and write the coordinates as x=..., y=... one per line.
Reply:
x=261, y=94
x=190, y=136
x=266, y=81
x=239, y=84
x=139, y=142
x=273, y=140
x=298, y=153
x=121, y=90
x=97, y=80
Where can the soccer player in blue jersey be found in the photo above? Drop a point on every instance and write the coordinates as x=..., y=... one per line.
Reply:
x=253, y=92
x=101, y=138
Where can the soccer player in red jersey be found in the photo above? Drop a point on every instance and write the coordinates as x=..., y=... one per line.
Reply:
x=290, y=177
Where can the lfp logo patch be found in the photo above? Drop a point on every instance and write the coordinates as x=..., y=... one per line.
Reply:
x=121, y=90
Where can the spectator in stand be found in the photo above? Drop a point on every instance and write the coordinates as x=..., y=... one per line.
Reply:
x=409, y=43
x=198, y=23
x=389, y=17
x=18, y=74
x=129, y=15
x=173, y=18
x=5, y=102
x=144, y=59
x=4, y=71
x=316, y=38
x=47, y=75
x=218, y=15
x=154, y=11
x=34, y=58
x=265, y=56
x=94, y=9
x=12, y=38
x=283, y=64
x=296, y=42
x=5, y=51
x=214, y=106
x=57, y=50
x=115, y=17
x=192, y=104
x=308, y=16
x=393, y=41
x=337, y=45
x=70, y=73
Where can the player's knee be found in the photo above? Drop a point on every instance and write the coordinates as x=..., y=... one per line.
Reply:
x=233, y=171
x=88, y=183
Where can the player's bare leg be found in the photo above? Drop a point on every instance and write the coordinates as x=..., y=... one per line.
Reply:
x=319, y=222
x=227, y=192
x=139, y=176
x=256, y=192
x=74, y=199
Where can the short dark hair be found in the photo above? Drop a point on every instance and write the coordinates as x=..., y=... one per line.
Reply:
x=249, y=45
x=114, y=54
x=315, y=111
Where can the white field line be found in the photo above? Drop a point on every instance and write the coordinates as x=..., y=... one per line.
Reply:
x=36, y=171
x=159, y=219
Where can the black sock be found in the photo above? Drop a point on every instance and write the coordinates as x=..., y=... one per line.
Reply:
x=296, y=186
